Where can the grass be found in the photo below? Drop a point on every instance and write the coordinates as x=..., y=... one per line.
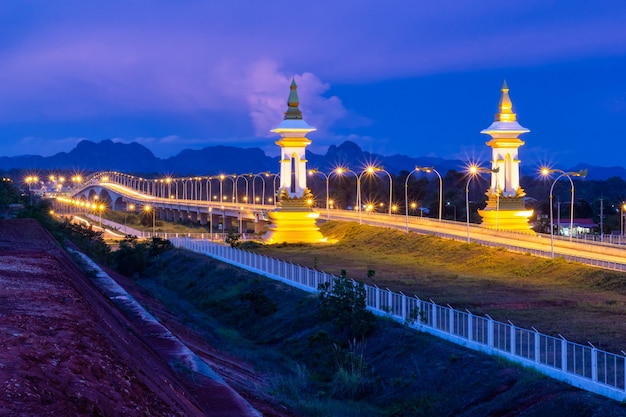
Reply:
x=555, y=296
x=394, y=372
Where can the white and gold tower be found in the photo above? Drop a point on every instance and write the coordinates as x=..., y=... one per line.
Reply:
x=293, y=220
x=505, y=208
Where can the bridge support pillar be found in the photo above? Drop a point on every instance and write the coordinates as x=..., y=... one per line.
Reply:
x=168, y=214
x=175, y=215
x=184, y=215
x=193, y=216
x=227, y=224
x=203, y=218
x=259, y=226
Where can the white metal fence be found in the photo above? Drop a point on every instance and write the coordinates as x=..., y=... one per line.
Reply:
x=582, y=366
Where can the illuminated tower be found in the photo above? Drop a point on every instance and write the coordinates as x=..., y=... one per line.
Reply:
x=505, y=209
x=293, y=142
x=293, y=220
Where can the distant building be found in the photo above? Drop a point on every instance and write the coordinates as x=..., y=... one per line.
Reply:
x=580, y=227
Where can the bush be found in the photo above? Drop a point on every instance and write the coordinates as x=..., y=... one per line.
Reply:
x=344, y=305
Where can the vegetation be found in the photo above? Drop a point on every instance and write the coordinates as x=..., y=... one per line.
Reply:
x=314, y=368
x=555, y=296
x=343, y=304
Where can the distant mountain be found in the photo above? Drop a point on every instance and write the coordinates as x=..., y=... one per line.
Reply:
x=90, y=156
x=136, y=158
x=221, y=159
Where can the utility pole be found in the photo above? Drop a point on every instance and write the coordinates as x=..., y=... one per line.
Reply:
x=601, y=218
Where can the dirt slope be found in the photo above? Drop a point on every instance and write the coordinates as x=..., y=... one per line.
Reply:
x=65, y=349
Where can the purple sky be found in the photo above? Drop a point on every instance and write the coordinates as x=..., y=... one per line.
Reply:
x=408, y=77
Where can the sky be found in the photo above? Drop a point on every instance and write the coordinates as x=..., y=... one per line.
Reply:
x=396, y=77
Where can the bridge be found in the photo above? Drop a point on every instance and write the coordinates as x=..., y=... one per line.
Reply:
x=231, y=202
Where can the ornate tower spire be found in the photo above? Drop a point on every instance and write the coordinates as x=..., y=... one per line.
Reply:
x=506, y=107
x=293, y=102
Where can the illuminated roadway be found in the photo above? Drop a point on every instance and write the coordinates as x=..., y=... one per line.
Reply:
x=599, y=254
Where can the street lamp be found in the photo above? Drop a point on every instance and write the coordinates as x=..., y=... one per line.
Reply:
x=148, y=209
x=547, y=171
x=100, y=208
x=472, y=172
x=254, y=197
x=339, y=171
x=406, y=198
x=130, y=207
x=623, y=212
x=237, y=187
x=31, y=180
x=327, y=177
x=372, y=170
x=428, y=170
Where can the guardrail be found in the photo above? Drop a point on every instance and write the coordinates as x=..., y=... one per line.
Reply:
x=582, y=366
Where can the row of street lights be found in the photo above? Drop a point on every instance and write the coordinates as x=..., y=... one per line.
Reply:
x=473, y=171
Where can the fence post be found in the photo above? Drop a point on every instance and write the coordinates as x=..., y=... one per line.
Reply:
x=389, y=301
x=420, y=316
x=490, y=332
x=563, y=354
x=512, y=332
x=434, y=316
x=537, y=346
x=594, y=364
x=377, y=292
x=404, y=315
x=451, y=311
x=470, y=326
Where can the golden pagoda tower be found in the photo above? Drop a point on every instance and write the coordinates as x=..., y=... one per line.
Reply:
x=293, y=220
x=505, y=208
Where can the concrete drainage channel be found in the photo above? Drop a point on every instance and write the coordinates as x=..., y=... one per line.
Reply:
x=175, y=352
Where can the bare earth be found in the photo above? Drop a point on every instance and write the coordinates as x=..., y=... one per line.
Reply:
x=66, y=350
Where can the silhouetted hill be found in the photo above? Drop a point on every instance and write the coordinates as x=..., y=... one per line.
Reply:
x=221, y=159
x=136, y=158
x=90, y=156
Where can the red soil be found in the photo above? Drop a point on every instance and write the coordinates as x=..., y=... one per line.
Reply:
x=65, y=349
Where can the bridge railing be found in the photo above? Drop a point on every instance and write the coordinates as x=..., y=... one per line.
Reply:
x=583, y=366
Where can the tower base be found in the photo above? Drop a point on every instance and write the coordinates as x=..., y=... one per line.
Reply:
x=293, y=222
x=507, y=214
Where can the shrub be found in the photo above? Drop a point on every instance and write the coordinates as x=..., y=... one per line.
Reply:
x=344, y=305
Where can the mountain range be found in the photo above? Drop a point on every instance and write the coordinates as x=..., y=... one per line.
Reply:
x=137, y=159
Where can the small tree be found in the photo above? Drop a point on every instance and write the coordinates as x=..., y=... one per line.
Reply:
x=233, y=239
x=344, y=305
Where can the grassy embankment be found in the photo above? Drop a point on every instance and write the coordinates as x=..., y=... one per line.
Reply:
x=307, y=364
x=555, y=296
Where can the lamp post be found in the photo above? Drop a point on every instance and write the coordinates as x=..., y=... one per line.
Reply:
x=149, y=209
x=327, y=177
x=100, y=208
x=29, y=181
x=472, y=172
x=274, y=190
x=372, y=170
x=623, y=212
x=343, y=170
x=547, y=171
x=428, y=170
x=130, y=207
x=406, y=198
x=210, y=217
x=237, y=187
